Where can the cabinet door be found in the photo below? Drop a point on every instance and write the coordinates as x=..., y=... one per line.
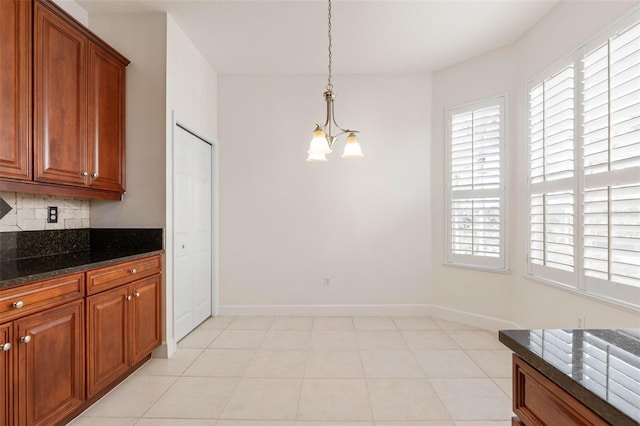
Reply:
x=50, y=366
x=60, y=105
x=15, y=89
x=145, y=335
x=106, y=120
x=107, y=348
x=6, y=378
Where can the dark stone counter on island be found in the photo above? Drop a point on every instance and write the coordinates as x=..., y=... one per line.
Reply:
x=30, y=256
x=599, y=368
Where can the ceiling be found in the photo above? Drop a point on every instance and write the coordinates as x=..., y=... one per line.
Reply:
x=369, y=37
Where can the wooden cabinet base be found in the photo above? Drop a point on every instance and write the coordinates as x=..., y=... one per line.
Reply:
x=30, y=187
x=537, y=401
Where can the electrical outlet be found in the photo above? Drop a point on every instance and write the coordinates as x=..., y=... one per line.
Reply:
x=327, y=281
x=52, y=214
x=580, y=321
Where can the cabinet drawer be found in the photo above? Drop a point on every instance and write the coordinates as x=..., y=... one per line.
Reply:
x=538, y=401
x=18, y=301
x=113, y=276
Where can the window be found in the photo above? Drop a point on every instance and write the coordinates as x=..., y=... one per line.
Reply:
x=476, y=184
x=584, y=169
x=552, y=177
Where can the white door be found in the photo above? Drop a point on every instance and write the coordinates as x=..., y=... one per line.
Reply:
x=191, y=231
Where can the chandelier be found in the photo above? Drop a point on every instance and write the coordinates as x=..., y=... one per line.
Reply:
x=323, y=139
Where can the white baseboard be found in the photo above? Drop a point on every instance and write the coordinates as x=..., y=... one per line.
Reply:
x=325, y=310
x=475, y=320
x=165, y=350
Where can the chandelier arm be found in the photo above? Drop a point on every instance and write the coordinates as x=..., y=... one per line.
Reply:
x=344, y=132
x=327, y=122
x=333, y=119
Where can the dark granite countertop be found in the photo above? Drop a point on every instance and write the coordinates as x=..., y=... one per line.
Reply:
x=34, y=255
x=600, y=368
x=23, y=271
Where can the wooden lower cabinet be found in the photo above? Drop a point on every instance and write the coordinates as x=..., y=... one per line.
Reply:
x=145, y=336
x=6, y=415
x=537, y=401
x=123, y=327
x=107, y=349
x=49, y=370
x=61, y=351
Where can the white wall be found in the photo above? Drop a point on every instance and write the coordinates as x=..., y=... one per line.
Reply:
x=286, y=224
x=142, y=39
x=484, y=294
x=192, y=84
x=74, y=9
x=191, y=101
x=504, y=299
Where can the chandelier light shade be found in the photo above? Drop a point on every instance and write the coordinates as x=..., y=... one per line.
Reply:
x=323, y=139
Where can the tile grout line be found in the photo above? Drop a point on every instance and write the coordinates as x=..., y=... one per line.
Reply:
x=366, y=381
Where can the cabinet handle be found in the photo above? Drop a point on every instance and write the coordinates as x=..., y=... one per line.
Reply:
x=25, y=339
x=133, y=271
x=136, y=294
x=127, y=298
x=17, y=305
x=94, y=175
x=84, y=174
x=6, y=347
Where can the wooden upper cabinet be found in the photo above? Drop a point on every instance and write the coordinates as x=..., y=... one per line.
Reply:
x=60, y=107
x=15, y=89
x=106, y=120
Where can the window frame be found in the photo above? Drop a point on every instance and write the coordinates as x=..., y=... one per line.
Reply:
x=544, y=273
x=626, y=296
x=483, y=263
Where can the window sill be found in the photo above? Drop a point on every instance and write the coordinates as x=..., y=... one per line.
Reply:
x=603, y=299
x=478, y=268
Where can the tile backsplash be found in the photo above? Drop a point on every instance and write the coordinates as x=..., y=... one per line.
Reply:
x=29, y=212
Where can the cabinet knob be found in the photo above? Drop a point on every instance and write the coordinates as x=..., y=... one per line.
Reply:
x=84, y=174
x=136, y=294
x=127, y=298
x=133, y=271
x=6, y=347
x=25, y=339
x=17, y=305
x=94, y=175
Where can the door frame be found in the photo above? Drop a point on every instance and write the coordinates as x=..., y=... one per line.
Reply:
x=169, y=320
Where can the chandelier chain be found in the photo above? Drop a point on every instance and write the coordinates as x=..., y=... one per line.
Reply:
x=329, y=85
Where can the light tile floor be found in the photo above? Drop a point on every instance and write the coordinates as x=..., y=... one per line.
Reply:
x=322, y=371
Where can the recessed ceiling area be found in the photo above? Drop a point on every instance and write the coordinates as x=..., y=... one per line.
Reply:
x=369, y=37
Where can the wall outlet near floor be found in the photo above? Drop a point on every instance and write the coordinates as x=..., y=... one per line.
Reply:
x=580, y=321
x=52, y=214
x=327, y=281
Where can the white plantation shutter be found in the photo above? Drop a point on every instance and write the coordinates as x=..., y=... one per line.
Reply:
x=476, y=144
x=584, y=154
x=551, y=176
x=611, y=163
